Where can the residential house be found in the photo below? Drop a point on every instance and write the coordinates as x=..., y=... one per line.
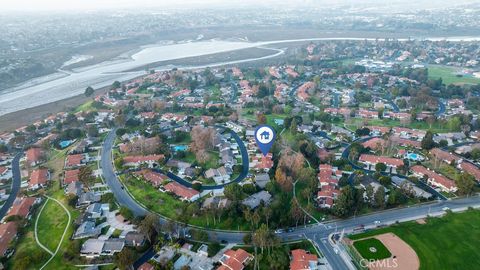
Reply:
x=262, y=179
x=34, y=156
x=135, y=239
x=303, y=260
x=8, y=232
x=434, y=179
x=136, y=161
x=154, y=178
x=184, y=193
x=371, y=160
x=38, y=178
x=71, y=176
x=76, y=160
x=21, y=207
x=235, y=259
x=87, y=229
x=254, y=200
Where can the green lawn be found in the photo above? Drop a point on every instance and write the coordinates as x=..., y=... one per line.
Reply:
x=448, y=75
x=437, y=127
x=378, y=252
x=442, y=243
x=169, y=206
x=51, y=225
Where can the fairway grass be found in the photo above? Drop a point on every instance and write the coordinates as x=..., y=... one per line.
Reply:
x=450, y=242
x=448, y=75
x=363, y=247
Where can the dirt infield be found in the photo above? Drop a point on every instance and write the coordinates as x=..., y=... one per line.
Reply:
x=403, y=256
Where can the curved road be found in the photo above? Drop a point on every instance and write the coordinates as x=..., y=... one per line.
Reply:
x=316, y=232
x=16, y=181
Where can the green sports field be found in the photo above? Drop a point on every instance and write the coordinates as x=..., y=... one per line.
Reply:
x=448, y=75
x=372, y=249
x=451, y=242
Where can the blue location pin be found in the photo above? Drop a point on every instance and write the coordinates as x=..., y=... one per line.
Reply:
x=265, y=136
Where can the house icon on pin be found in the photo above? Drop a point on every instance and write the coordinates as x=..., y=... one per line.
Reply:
x=265, y=135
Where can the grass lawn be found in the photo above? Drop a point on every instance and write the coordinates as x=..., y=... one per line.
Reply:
x=448, y=75
x=442, y=243
x=51, y=225
x=169, y=206
x=437, y=127
x=364, y=248
x=299, y=186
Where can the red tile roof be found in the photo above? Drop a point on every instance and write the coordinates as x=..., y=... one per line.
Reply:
x=300, y=259
x=8, y=231
x=374, y=143
x=395, y=162
x=156, y=179
x=471, y=169
x=74, y=160
x=140, y=159
x=146, y=266
x=71, y=176
x=302, y=91
x=3, y=170
x=434, y=177
x=38, y=177
x=181, y=191
x=444, y=155
x=34, y=154
x=406, y=142
x=235, y=259
x=21, y=206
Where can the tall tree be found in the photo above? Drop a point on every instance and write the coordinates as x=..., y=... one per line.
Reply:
x=465, y=183
x=89, y=91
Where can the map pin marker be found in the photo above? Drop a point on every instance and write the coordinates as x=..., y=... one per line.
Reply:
x=265, y=136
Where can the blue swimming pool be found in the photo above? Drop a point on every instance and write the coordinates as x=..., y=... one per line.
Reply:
x=64, y=144
x=414, y=156
x=177, y=148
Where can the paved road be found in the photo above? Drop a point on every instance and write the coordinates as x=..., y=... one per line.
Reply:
x=316, y=232
x=106, y=164
x=441, y=108
x=16, y=181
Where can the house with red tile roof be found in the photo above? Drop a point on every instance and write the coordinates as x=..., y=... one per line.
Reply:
x=235, y=259
x=185, y=193
x=136, y=161
x=292, y=73
x=362, y=113
x=71, y=176
x=327, y=195
x=77, y=160
x=408, y=133
x=34, y=156
x=302, y=260
x=444, y=156
x=38, y=178
x=371, y=160
x=374, y=143
x=434, y=179
x=326, y=175
x=378, y=129
x=146, y=266
x=3, y=170
x=406, y=142
x=8, y=232
x=262, y=163
x=21, y=207
x=302, y=91
x=470, y=169
x=154, y=178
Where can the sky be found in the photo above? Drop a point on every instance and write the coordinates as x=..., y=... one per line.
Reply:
x=86, y=5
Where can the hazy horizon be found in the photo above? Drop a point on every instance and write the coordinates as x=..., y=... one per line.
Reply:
x=91, y=5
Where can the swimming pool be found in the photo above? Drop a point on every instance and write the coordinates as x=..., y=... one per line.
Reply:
x=177, y=148
x=414, y=156
x=64, y=144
